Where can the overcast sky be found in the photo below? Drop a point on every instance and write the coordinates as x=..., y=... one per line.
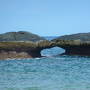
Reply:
x=45, y=17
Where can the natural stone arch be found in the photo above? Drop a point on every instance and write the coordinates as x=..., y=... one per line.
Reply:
x=53, y=51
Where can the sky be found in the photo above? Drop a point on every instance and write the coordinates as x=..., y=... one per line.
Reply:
x=45, y=17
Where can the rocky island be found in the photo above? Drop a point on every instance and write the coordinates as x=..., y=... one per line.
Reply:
x=27, y=45
x=22, y=45
x=75, y=44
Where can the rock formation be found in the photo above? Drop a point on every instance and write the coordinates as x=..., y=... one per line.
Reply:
x=76, y=44
x=23, y=49
x=21, y=45
x=26, y=45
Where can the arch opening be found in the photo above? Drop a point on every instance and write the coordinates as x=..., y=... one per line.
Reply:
x=52, y=51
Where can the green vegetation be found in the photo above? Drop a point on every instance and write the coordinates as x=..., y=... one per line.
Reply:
x=24, y=44
x=80, y=36
x=20, y=36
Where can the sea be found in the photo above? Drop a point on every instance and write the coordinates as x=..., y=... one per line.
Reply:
x=52, y=72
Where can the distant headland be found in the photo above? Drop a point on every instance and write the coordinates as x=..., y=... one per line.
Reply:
x=27, y=45
x=22, y=45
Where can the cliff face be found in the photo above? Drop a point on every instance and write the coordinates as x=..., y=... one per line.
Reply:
x=23, y=49
x=74, y=47
x=75, y=44
x=22, y=45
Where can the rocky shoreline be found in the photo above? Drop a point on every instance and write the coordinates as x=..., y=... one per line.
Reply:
x=23, y=49
x=74, y=47
x=13, y=54
x=33, y=50
x=27, y=48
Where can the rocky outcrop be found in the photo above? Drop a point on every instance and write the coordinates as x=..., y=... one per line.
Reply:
x=26, y=45
x=22, y=45
x=13, y=55
x=75, y=44
x=73, y=47
x=23, y=49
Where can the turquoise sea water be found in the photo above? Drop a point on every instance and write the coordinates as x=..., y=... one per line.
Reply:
x=52, y=73
x=47, y=73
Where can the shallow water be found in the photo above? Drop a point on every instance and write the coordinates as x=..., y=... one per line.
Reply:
x=52, y=73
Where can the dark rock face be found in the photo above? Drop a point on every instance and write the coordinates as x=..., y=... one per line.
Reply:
x=23, y=49
x=74, y=47
x=75, y=44
x=20, y=36
x=78, y=50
